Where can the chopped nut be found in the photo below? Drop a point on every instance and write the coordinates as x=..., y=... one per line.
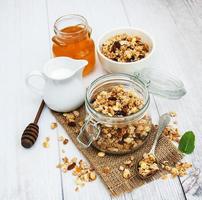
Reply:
x=80, y=123
x=74, y=159
x=76, y=113
x=132, y=158
x=121, y=168
x=54, y=125
x=92, y=175
x=126, y=173
x=65, y=160
x=127, y=162
x=46, y=142
x=101, y=154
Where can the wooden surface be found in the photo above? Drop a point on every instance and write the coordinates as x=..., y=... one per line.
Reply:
x=26, y=29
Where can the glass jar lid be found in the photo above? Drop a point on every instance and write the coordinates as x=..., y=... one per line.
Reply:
x=161, y=83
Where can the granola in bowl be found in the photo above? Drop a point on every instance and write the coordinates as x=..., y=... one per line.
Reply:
x=125, y=48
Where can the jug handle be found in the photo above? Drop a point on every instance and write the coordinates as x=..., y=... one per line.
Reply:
x=35, y=89
x=84, y=139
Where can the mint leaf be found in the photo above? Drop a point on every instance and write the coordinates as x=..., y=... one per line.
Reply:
x=187, y=142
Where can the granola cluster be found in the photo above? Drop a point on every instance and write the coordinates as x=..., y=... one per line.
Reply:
x=125, y=168
x=171, y=131
x=117, y=101
x=148, y=165
x=180, y=169
x=125, y=48
x=123, y=139
x=83, y=172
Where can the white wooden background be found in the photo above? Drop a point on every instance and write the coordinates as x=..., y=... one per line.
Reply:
x=26, y=27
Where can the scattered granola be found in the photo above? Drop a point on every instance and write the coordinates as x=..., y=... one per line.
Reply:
x=171, y=131
x=126, y=173
x=71, y=117
x=46, y=142
x=54, y=125
x=148, y=165
x=180, y=169
x=83, y=172
x=125, y=48
x=101, y=154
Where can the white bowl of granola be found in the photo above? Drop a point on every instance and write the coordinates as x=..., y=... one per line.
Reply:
x=125, y=50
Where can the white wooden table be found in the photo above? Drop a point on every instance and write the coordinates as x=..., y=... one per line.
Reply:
x=25, y=31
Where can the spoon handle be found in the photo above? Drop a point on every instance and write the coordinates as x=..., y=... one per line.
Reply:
x=163, y=122
x=39, y=112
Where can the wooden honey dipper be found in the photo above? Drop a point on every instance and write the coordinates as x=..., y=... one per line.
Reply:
x=31, y=132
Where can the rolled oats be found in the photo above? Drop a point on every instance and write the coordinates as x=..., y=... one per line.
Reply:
x=125, y=48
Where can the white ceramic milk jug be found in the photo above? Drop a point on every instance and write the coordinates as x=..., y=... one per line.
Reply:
x=63, y=89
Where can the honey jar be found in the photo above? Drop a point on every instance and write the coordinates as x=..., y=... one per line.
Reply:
x=73, y=39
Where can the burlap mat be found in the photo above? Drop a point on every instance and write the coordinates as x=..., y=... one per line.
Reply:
x=114, y=179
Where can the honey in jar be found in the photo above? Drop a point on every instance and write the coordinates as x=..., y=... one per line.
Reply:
x=73, y=39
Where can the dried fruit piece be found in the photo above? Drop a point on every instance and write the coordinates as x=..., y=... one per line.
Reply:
x=72, y=124
x=65, y=141
x=71, y=166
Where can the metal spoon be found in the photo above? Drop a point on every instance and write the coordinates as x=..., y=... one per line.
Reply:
x=163, y=122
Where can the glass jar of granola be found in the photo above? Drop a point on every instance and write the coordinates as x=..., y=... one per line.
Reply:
x=117, y=119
